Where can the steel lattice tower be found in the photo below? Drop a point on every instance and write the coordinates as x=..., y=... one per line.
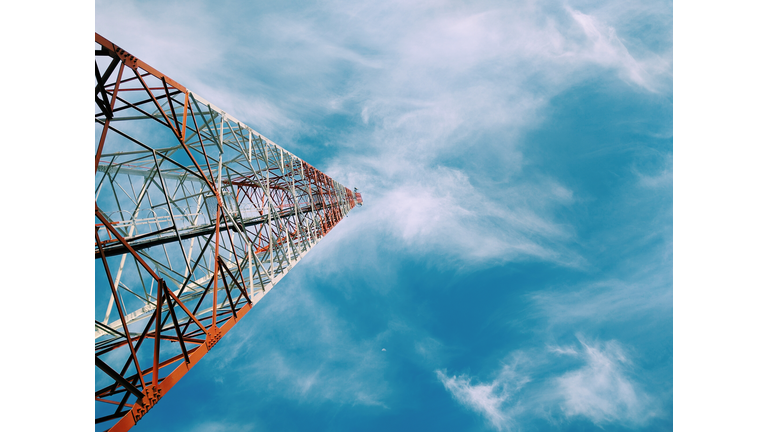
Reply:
x=198, y=216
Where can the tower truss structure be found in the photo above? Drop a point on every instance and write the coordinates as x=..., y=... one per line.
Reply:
x=197, y=217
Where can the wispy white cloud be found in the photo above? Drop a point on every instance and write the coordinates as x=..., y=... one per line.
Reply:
x=432, y=84
x=661, y=178
x=297, y=347
x=603, y=301
x=486, y=399
x=459, y=85
x=602, y=390
x=605, y=48
x=562, y=350
x=441, y=212
x=597, y=385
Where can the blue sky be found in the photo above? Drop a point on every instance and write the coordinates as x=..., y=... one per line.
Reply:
x=514, y=253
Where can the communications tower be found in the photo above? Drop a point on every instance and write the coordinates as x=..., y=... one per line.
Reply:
x=197, y=217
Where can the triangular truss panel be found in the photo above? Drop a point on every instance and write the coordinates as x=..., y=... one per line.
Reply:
x=197, y=217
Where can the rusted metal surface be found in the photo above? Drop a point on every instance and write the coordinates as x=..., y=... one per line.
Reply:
x=197, y=217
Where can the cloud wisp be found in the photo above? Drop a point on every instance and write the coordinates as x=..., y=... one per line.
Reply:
x=485, y=399
x=601, y=390
x=596, y=385
x=467, y=87
x=441, y=95
x=298, y=348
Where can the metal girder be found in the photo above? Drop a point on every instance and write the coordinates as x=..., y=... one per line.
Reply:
x=197, y=217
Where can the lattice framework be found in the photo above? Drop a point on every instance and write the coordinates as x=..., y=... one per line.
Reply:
x=197, y=217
